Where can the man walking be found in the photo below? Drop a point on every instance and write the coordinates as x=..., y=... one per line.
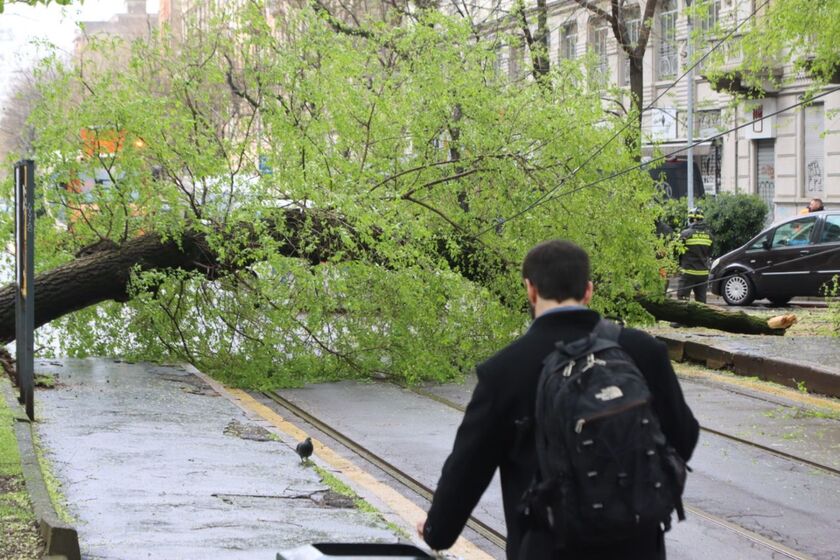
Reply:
x=498, y=426
x=694, y=263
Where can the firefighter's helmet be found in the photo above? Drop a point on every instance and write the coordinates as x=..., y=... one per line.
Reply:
x=695, y=215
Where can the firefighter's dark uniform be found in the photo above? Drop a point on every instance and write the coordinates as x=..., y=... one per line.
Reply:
x=694, y=263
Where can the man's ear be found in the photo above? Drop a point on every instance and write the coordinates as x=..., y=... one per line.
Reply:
x=587, y=295
x=531, y=291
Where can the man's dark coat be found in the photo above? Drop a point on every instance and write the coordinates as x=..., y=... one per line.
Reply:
x=492, y=433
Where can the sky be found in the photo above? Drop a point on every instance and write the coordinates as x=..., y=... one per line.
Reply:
x=21, y=24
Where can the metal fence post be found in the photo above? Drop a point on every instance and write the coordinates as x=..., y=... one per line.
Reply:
x=25, y=274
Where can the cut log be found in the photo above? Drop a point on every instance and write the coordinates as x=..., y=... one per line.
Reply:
x=691, y=314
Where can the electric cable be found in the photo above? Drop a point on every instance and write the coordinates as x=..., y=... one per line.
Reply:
x=603, y=146
x=636, y=167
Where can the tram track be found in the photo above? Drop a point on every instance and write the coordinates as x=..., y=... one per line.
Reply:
x=483, y=529
x=489, y=533
x=725, y=435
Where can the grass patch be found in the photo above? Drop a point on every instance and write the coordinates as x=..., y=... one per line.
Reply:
x=20, y=538
x=339, y=487
x=53, y=484
x=45, y=380
x=797, y=413
x=810, y=405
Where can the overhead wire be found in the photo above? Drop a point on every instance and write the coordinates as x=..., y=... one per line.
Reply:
x=539, y=200
x=696, y=143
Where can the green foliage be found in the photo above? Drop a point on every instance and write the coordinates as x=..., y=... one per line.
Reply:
x=675, y=213
x=804, y=34
x=36, y=2
x=9, y=455
x=733, y=219
x=404, y=154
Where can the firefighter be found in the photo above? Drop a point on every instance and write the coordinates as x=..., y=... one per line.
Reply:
x=694, y=262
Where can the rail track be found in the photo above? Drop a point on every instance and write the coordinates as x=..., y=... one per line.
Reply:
x=724, y=435
x=483, y=529
x=496, y=537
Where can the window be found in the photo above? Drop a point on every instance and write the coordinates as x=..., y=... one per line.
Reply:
x=709, y=11
x=598, y=33
x=795, y=233
x=548, y=42
x=568, y=41
x=759, y=243
x=831, y=230
x=668, y=58
x=499, y=61
x=814, y=172
x=707, y=22
x=710, y=169
x=766, y=172
x=633, y=21
x=516, y=68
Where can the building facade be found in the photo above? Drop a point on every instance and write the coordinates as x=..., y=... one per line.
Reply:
x=134, y=23
x=788, y=156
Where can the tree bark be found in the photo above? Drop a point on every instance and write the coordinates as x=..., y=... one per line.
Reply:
x=104, y=274
x=98, y=277
x=697, y=315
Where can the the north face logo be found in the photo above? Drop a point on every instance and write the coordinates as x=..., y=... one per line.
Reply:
x=609, y=393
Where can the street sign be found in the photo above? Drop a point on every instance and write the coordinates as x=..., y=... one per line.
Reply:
x=25, y=276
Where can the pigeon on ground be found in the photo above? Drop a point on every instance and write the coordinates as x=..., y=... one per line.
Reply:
x=304, y=449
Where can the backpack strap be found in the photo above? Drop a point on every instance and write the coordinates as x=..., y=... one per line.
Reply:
x=603, y=336
x=608, y=329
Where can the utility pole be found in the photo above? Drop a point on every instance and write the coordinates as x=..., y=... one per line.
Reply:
x=690, y=111
x=25, y=278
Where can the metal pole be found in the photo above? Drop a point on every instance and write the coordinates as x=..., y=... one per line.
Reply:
x=24, y=272
x=690, y=110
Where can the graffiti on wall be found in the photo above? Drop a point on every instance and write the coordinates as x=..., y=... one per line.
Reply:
x=814, y=177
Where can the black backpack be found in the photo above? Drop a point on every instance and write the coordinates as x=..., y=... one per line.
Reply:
x=606, y=472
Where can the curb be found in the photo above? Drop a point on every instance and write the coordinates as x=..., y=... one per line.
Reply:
x=825, y=381
x=62, y=540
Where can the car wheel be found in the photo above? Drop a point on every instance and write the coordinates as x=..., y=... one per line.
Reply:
x=779, y=301
x=737, y=290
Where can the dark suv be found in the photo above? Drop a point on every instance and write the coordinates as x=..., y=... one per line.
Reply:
x=795, y=257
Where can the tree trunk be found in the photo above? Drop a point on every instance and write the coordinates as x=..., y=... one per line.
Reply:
x=698, y=315
x=104, y=275
x=637, y=86
x=98, y=277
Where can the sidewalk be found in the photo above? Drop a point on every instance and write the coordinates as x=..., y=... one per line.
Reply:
x=810, y=360
x=155, y=464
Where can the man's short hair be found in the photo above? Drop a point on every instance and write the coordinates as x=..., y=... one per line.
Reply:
x=559, y=270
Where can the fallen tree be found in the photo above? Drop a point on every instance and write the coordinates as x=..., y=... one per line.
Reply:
x=323, y=205
x=103, y=274
x=692, y=314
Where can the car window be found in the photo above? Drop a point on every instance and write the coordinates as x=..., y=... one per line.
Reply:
x=758, y=245
x=831, y=230
x=795, y=233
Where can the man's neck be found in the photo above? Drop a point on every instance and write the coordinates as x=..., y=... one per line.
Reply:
x=543, y=306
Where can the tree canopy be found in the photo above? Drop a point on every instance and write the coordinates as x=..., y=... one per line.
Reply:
x=803, y=35
x=355, y=204
x=35, y=3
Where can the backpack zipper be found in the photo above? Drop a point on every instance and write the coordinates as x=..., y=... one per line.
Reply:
x=632, y=404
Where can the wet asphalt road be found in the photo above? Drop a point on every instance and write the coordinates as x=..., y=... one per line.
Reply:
x=153, y=464
x=795, y=505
